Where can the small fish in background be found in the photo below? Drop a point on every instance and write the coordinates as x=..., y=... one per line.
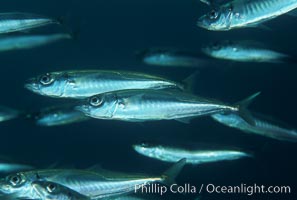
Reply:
x=91, y=183
x=9, y=167
x=8, y=113
x=151, y=105
x=242, y=13
x=58, y=116
x=195, y=157
x=263, y=125
x=18, y=21
x=53, y=191
x=18, y=42
x=172, y=58
x=214, y=2
x=86, y=83
x=244, y=51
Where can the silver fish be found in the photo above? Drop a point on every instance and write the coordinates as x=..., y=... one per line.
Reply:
x=171, y=154
x=147, y=105
x=8, y=113
x=262, y=126
x=94, y=184
x=52, y=191
x=172, y=58
x=57, y=116
x=244, y=51
x=242, y=13
x=47, y=190
x=8, y=167
x=18, y=21
x=9, y=43
x=82, y=84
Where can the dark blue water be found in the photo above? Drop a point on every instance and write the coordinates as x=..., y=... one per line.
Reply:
x=109, y=34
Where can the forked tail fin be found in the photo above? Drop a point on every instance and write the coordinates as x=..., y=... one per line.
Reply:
x=170, y=174
x=242, y=108
x=190, y=82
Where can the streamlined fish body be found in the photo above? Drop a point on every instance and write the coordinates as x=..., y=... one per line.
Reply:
x=18, y=21
x=243, y=13
x=86, y=83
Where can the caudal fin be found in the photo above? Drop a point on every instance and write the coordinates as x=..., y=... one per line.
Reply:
x=242, y=108
x=247, y=101
x=170, y=174
x=190, y=82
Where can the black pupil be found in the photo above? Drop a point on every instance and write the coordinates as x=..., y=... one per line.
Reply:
x=45, y=79
x=15, y=179
x=213, y=13
x=95, y=100
x=216, y=45
x=51, y=187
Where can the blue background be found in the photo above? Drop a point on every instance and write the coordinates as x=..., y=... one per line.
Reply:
x=109, y=34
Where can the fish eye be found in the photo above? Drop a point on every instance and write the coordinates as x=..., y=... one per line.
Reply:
x=51, y=187
x=213, y=14
x=46, y=79
x=144, y=144
x=216, y=46
x=96, y=101
x=15, y=180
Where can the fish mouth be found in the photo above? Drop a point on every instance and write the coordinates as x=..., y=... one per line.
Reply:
x=83, y=108
x=31, y=85
x=201, y=23
x=138, y=149
x=37, y=188
x=205, y=49
x=4, y=190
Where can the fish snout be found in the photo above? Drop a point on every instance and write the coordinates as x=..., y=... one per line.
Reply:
x=31, y=84
x=202, y=23
x=83, y=108
x=4, y=188
x=36, y=185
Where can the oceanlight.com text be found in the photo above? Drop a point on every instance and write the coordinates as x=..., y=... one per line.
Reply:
x=246, y=189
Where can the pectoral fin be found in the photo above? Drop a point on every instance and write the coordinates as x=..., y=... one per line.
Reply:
x=185, y=120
